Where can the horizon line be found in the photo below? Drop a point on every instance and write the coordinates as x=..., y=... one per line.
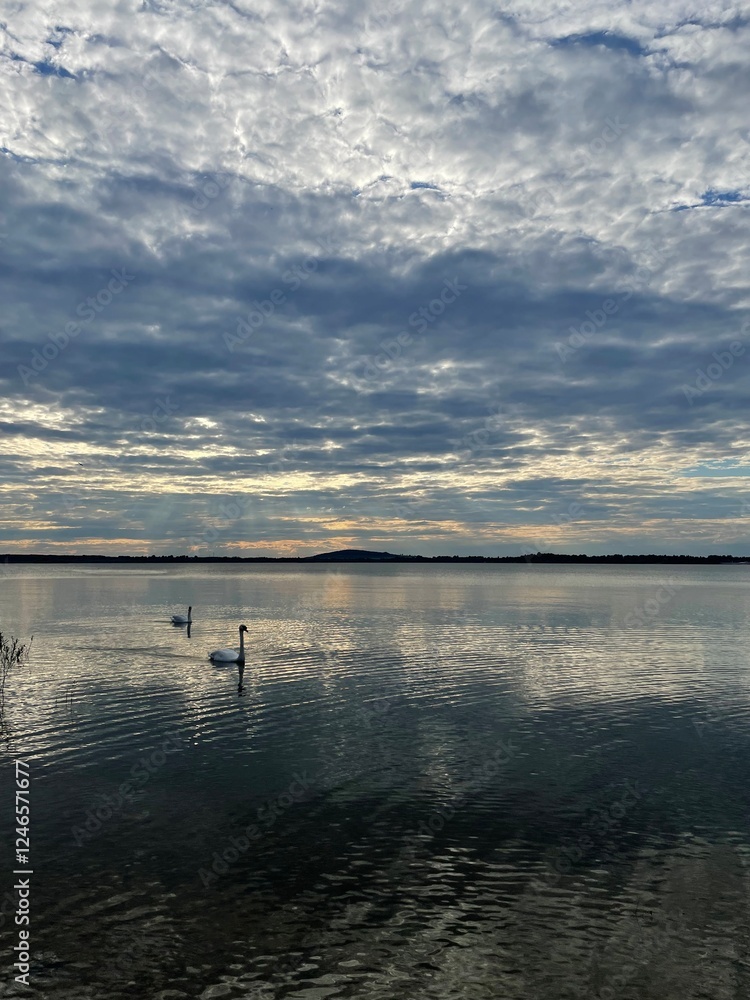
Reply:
x=367, y=555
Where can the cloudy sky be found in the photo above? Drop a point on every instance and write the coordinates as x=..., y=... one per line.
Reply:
x=424, y=277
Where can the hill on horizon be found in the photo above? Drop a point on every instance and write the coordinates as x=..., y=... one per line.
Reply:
x=352, y=555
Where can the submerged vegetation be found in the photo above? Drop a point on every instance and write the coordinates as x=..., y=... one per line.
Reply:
x=13, y=653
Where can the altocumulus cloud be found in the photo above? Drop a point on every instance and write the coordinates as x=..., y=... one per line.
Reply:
x=545, y=159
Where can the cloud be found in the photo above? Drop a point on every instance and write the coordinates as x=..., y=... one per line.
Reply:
x=293, y=191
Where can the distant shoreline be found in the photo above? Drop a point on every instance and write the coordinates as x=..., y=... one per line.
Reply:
x=387, y=557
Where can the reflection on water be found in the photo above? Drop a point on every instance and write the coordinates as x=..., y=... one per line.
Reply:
x=434, y=782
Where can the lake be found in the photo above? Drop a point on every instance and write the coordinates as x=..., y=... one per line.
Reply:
x=502, y=781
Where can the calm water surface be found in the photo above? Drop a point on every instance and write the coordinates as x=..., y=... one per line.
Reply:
x=436, y=782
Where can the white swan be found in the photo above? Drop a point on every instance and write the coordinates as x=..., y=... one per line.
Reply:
x=181, y=619
x=231, y=655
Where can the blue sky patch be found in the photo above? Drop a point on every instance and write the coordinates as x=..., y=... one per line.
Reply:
x=47, y=69
x=618, y=43
x=719, y=470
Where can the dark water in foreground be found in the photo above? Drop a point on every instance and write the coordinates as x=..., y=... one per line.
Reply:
x=437, y=782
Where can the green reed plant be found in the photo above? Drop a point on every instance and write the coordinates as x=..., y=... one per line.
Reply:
x=13, y=653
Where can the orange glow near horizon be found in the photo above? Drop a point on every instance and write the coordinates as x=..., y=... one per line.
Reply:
x=400, y=536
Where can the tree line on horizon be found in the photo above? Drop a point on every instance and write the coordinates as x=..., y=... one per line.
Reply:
x=538, y=557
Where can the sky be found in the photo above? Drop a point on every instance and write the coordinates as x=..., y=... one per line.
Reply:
x=420, y=277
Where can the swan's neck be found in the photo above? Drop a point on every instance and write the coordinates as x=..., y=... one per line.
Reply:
x=242, y=644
